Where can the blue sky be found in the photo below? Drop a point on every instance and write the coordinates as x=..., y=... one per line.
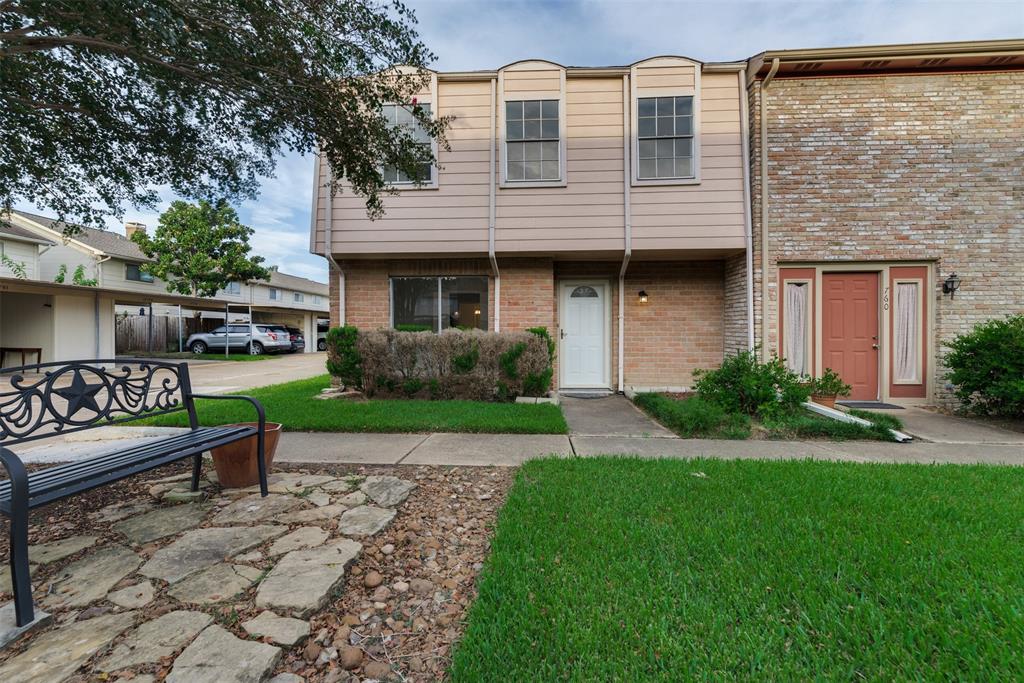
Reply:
x=481, y=34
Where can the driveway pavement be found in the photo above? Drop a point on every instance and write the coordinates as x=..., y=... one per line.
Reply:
x=613, y=415
x=928, y=425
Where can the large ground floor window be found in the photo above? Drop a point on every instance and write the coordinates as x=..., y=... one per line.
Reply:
x=437, y=303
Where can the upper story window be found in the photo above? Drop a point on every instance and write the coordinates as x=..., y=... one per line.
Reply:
x=316, y=298
x=233, y=288
x=275, y=294
x=398, y=115
x=136, y=274
x=532, y=140
x=298, y=297
x=665, y=137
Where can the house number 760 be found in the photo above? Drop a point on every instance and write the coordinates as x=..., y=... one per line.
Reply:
x=885, y=299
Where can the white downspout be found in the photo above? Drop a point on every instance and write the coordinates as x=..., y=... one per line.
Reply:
x=627, y=226
x=328, y=238
x=747, y=218
x=764, y=206
x=492, y=212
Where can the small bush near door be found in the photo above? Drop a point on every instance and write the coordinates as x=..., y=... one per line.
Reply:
x=454, y=364
x=987, y=367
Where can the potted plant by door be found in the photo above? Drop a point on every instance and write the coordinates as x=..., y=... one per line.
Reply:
x=825, y=389
x=236, y=462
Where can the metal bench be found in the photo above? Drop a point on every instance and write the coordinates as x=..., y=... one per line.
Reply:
x=99, y=393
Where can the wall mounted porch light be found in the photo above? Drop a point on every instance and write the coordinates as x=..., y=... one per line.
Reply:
x=951, y=284
x=643, y=296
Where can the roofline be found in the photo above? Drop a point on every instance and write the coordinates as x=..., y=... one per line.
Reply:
x=922, y=51
x=22, y=238
x=61, y=237
x=587, y=71
x=897, y=50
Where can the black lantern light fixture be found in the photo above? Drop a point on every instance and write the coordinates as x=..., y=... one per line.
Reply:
x=951, y=284
x=643, y=296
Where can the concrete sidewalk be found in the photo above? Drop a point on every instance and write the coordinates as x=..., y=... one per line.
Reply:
x=514, y=449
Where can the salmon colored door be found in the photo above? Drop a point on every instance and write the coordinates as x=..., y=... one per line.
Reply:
x=849, y=342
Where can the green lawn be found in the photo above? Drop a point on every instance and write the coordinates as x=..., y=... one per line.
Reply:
x=620, y=569
x=696, y=418
x=293, y=404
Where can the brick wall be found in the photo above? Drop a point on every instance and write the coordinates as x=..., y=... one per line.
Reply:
x=681, y=326
x=734, y=313
x=899, y=167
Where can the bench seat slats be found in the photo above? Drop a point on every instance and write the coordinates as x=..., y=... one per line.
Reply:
x=53, y=483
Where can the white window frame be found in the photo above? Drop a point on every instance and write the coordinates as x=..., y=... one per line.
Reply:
x=298, y=298
x=227, y=289
x=503, y=181
x=435, y=170
x=918, y=329
x=274, y=294
x=634, y=94
x=317, y=299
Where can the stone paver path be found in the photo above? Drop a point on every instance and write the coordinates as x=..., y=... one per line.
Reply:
x=168, y=601
x=216, y=656
x=55, y=655
x=303, y=579
x=160, y=523
x=155, y=639
x=202, y=548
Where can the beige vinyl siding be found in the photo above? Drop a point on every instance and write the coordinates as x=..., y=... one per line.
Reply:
x=20, y=252
x=587, y=213
x=708, y=213
x=451, y=218
x=59, y=254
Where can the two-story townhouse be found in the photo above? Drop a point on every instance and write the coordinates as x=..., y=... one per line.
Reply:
x=888, y=206
x=606, y=204
x=64, y=318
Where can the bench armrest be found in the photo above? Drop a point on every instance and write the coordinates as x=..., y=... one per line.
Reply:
x=19, y=478
x=260, y=413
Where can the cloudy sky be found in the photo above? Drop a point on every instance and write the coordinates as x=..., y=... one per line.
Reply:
x=485, y=34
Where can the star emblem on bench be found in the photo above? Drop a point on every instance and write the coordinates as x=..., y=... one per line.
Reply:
x=80, y=395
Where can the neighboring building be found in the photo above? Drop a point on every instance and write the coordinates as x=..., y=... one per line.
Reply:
x=606, y=204
x=615, y=206
x=888, y=170
x=70, y=319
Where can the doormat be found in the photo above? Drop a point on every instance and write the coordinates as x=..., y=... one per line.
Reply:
x=869, y=405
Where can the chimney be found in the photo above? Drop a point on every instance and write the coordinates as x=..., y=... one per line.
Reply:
x=131, y=227
x=272, y=269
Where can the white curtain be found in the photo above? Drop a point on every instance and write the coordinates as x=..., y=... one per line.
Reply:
x=795, y=316
x=906, y=345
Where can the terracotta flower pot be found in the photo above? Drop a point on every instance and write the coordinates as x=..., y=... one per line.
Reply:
x=827, y=401
x=236, y=462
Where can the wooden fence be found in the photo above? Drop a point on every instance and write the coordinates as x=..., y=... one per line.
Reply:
x=134, y=333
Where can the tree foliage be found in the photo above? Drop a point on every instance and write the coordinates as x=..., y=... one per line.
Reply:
x=200, y=248
x=105, y=99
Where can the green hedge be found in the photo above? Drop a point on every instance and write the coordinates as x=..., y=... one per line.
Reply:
x=987, y=367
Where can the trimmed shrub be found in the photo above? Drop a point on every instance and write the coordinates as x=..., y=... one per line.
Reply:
x=472, y=364
x=987, y=367
x=744, y=385
x=343, y=360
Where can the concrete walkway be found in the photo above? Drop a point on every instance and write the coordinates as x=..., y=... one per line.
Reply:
x=512, y=449
x=613, y=415
x=936, y=427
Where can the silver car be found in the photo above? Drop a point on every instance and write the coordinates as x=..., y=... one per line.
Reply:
x=264, y=340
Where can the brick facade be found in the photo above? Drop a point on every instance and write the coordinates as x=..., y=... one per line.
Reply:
x=679, y=329
x=923, y=167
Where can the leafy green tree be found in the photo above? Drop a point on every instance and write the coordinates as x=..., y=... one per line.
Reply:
x=104, y=99
x=200, y=248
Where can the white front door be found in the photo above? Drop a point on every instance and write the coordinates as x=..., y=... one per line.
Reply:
x=584, y=332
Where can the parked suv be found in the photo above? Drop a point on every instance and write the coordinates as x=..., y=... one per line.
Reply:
x=264, y=339
x=294, y=335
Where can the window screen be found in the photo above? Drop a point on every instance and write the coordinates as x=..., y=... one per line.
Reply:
x=532, y=142
x=665, y=137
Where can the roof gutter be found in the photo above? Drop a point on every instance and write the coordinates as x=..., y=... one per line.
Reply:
x=491, y=212
x=764, y=206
